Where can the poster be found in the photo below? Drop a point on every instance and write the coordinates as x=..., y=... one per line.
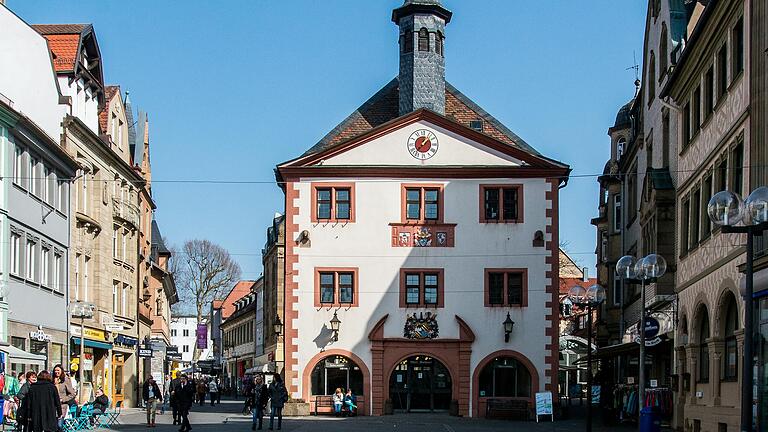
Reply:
x=543, y=404
x=202, y=336
x=595, y=395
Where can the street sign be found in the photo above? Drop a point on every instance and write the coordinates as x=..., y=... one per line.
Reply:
x=113, y=327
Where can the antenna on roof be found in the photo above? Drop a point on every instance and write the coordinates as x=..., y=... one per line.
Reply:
x=636, y=67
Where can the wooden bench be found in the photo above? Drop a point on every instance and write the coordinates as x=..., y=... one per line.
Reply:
x=324, y=405
x=517, y=409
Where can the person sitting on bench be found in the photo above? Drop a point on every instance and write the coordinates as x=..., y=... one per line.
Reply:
x=350, y=402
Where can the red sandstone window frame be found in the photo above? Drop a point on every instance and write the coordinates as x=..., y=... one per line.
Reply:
x=336, y=271
x=404, y=187
x=421, y=272
x=505, y=294
x=333, y=187
x=501, y=219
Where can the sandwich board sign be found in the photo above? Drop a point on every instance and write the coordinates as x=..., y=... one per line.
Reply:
x=544, y=405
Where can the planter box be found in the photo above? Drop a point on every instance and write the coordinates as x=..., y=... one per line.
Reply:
x=294, y=409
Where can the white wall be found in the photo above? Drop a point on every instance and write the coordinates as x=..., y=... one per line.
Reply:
x=190, y=324
x=27, y=77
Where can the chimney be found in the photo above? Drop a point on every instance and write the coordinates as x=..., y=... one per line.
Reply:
x=422, y=54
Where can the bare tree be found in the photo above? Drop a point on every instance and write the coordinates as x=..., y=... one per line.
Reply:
x=203, y=271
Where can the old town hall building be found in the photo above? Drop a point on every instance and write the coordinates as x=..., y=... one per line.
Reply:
x=413, y=230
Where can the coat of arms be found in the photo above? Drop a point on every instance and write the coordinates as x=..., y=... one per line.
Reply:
x=422, y=237
x=421, y=326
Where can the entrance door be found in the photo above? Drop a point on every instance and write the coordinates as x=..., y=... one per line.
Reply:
x=420, y=384
x=117, y=378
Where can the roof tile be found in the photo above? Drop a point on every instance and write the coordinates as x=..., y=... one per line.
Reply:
x=240, y=290
x=109, y=92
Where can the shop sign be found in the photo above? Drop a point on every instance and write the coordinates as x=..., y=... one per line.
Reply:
x=40, y=336
x=126, y=340
x=145, y=352
x=113, y=327
x=89, y=333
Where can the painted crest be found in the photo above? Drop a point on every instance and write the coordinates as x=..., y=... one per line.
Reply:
x=421, y=326
x=422, y=237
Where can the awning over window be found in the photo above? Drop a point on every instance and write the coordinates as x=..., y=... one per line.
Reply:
x=20, y=356
x=93, y=343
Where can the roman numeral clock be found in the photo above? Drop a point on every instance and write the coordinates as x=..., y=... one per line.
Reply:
x=422, y=144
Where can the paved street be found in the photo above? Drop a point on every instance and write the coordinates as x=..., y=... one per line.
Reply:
x=225, y=417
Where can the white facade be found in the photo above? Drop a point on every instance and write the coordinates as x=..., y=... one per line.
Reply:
x=184, y=337
x=368, y=245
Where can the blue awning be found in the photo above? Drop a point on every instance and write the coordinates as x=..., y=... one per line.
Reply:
x=93, y=343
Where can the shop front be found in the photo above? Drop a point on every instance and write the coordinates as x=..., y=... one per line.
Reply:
x=37, y=347
x=94, y=370
x=124, y=367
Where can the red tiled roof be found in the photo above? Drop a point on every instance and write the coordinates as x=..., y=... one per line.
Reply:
x=384, y=106
x=241, y=289
x=568, y=283
x=64, y=41
x=109, y=92
x=217, y=303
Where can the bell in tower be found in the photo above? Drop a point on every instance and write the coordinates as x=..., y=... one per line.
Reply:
x=422, y=55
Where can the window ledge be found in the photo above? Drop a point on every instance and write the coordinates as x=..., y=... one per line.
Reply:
x=735, y=81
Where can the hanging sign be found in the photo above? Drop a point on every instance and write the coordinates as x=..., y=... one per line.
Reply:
x=544, y=405
x=145, y=352
x=202, y=336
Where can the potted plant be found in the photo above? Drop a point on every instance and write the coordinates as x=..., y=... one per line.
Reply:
x=296, y=407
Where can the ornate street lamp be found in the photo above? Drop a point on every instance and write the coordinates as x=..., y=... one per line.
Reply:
x=645, y=270
x=508, y=326
x=589, y=298
x=335, y=323
x=726, y=209
x=278, y=326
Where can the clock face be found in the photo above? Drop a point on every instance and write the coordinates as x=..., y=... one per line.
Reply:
x=422, y=144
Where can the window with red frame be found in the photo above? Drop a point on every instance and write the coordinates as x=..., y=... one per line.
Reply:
x=501, y=203
x=333, y=203
x=505, y=288
x=421, y=287
x=422, y=203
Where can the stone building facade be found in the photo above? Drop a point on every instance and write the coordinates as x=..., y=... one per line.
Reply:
x=273, y=256
x=709, y=88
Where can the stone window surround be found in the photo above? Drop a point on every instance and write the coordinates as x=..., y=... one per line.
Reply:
x=333, y=186
x=505, y=303
x=520, y=203
x=336, y=270
x=422, y=271
x=423, y=186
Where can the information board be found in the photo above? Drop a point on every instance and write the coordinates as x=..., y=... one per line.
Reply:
x=544, y=405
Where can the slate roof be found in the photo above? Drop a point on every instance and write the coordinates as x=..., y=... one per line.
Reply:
x=64, y=42
x=157, y=239
x=384, y=106
x=623, y=116
x=109, y=92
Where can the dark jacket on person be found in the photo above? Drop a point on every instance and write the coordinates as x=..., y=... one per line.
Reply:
x=21, y=396
x=278, y=394
x=185, y=395
x=101, y=403
x=155, y=389
x=43, y=407
x=172, y=387
x=259, y=396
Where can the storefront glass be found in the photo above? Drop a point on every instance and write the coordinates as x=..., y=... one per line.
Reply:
x=336, y=372
x=505, y=377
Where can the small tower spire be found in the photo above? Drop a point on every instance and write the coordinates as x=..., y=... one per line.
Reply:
x=422, y=54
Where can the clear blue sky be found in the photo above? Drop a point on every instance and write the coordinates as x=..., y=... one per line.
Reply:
x=234, y=87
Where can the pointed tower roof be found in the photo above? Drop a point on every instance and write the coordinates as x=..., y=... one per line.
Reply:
x=411, y=7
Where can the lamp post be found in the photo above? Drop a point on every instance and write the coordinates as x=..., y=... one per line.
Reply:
x=726, y=209
x=82, y=310
x=335, y=323
x=278, y=329
x=589, y=298
x=647, y=269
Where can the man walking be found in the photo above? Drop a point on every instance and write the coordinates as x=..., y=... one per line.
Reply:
x=151, y=395
x=213, y=389
x=172, y=386
x=185, y=396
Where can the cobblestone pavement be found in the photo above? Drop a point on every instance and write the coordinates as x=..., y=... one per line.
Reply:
x=225, y=418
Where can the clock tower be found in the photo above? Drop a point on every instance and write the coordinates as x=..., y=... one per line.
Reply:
x=422, y=54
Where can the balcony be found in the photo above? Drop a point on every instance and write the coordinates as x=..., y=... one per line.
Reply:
x=124, y=210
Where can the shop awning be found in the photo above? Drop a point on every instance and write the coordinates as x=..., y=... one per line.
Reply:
x=611, y=351
x=20, y=356
x=93, y=343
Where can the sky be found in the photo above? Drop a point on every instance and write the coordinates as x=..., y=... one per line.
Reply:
x=233, y=88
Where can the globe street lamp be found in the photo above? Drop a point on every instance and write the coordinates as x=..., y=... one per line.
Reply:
x=726, y=209
x=589, y=298
x=645, y=270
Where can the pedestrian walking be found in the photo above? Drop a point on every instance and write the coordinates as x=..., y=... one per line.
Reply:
x=44, y=407
x=259, y=397
x=278, y=396
x=174, y=401
x=202, y=389
x=67, y=392
x=151, y=395
x=166, y=393
x=220, y=390
x=22, y=417
x=185, y=395
x=213, y=389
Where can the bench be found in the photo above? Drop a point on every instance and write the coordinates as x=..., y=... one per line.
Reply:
x=324, y=405
x=507, y=408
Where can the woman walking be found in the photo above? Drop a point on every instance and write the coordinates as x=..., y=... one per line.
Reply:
x=259, y=396
x=279, y=396
x=64, y=387
x=22, y=417
x=43, y=405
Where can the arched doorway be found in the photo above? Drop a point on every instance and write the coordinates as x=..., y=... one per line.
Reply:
x=336, y=371
x=504, y=374
x=420, y=384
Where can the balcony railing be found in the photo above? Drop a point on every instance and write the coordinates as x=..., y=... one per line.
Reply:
x=126, y=211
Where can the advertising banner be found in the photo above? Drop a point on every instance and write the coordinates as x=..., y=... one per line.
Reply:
x=202, y=336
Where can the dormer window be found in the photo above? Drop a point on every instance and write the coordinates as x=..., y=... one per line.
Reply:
x=620, y=148
x=423, y=39
x=476, y=125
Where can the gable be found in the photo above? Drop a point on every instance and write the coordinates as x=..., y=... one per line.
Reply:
x=398, y=148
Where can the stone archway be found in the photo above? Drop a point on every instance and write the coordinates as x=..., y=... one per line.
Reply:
x=307, y=376
x=477, y=404
x=387, y=353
